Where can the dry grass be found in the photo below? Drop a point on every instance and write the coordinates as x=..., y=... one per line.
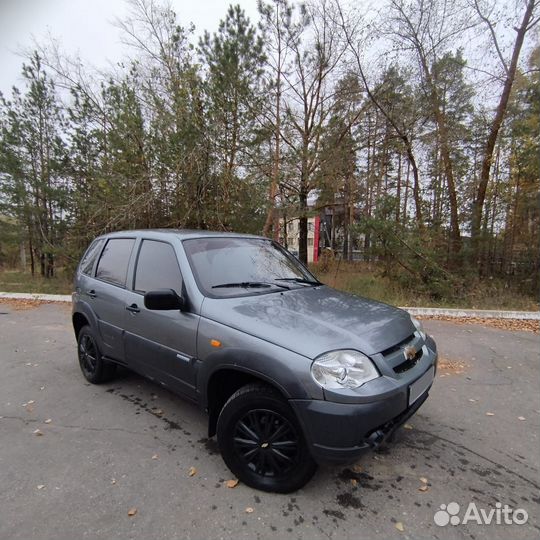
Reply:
x=358, y=278
x=18, y=281
x=365, y=279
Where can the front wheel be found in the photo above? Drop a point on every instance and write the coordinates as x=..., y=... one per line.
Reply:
x=261, y=441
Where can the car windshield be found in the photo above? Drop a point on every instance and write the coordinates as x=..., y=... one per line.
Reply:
x=229, y=266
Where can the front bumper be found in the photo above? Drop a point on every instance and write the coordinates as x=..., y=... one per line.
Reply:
x=342, y=432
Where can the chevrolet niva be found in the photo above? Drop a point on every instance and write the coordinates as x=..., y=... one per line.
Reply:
x=290, y=371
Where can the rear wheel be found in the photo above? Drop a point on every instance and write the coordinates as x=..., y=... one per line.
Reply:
x=94, y=368
x=261, y=441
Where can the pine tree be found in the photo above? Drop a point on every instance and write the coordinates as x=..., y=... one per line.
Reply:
x=234, y=59
x=33, y=159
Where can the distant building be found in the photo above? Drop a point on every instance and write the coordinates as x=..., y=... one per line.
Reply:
x=292, y=239
x=325, y=232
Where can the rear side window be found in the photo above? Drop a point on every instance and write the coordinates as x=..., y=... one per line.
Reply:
x=113, y=263
x=157, y=268
x=87, y=263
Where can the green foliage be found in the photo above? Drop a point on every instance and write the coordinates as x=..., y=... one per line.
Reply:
x=409, y=257
x=234, y=60
x=32, y=164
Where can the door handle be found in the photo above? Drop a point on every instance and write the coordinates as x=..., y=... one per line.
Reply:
x=134, y=308
x=91, y=293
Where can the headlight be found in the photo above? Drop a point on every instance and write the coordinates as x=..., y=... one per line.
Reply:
x=343, y=369
x=419, y=327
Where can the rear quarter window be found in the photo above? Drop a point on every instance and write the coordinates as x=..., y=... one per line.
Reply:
x=114, y=260
x=89, y=258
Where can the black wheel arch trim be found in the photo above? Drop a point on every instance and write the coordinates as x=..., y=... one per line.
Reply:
x=82, y=308
x=206, y=375
x=254, y=375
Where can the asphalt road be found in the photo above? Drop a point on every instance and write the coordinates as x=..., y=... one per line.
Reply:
x=130, y=444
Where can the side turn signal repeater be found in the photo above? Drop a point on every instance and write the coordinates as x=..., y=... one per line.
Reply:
x=215, y=343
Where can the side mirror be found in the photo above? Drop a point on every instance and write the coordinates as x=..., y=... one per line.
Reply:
x=163, y=299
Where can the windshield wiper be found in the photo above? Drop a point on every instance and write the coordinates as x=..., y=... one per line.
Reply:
x=300, y=280
x=250, y=285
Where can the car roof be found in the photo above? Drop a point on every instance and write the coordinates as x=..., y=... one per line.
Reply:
x=182, y=234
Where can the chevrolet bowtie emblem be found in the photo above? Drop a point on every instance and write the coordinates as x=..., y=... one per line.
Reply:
x=409, y=353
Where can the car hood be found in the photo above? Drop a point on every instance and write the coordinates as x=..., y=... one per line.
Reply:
x=313, y=320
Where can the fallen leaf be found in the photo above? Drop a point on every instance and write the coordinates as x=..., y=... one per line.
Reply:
x=357, y=468
x=38, y=432
x=155, y=456
x=399, y=526
x=452, y=366
x=249, y=510
x=113, y=481
x=48, y=421
x=490, y=414
x=41, y=486
x=354, y=482
x=231, y=483
x=528, y=325
x=407, y=426
x=157, y=412
x=472, y=400
x=423, y=479
x=132, y=512
x=521, y=418
x=31, y=402
x=423, y=488
x=42, y=388
x=192, y=471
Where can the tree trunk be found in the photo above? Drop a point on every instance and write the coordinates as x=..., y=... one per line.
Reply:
x=440, y=119
x=487, y=157
x=302, y=234
x=416, y=187
x=272, y=222
x=31, y=251
x=406, y=195
x=22, y=256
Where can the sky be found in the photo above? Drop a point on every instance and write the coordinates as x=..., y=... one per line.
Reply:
x=86, y=27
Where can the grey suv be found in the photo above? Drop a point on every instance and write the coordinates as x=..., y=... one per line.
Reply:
x=291, y=372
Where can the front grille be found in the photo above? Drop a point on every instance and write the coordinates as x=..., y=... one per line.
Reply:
x=395, y=359
x=408, y=363
x=398, y=346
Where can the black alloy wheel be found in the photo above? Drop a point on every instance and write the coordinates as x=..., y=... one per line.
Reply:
x=261, y=440
x=94, y=368
x=88, y=355
x=267, y=442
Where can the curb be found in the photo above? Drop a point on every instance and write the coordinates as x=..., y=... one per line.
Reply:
x=427, y=312
x=37, y=296
x=474, y=313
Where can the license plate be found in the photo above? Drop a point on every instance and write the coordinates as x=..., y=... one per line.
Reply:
x=417, y=388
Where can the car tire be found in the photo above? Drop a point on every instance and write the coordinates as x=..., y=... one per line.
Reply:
x=95, y=369
x=261, y=441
